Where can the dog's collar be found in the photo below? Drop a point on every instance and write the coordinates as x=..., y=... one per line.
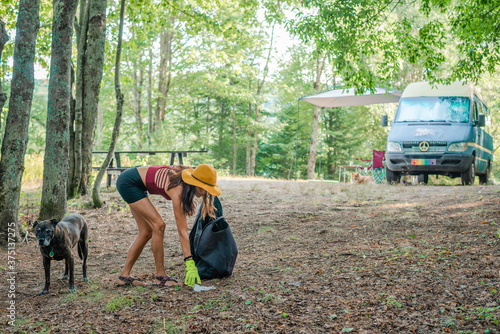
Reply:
x=51, y=254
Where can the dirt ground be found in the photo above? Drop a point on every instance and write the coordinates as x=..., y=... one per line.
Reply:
x=313, y=258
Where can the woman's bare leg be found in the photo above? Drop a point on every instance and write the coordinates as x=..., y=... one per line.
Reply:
x=135, y=249
x=151, y=226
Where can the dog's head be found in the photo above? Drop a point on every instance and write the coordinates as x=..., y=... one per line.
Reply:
x=45, y=231
x=355, y=177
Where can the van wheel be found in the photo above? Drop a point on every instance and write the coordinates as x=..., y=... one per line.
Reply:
x=423, y=178
x=392, y=177
x=469, y=175
x=483, y=179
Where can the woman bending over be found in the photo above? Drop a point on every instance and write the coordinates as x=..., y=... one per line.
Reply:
x=180, y=184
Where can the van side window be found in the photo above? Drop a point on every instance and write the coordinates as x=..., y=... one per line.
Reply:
x=486, y=112
x=474, y=110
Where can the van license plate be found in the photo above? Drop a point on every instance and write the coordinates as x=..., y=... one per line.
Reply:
x=423, y=162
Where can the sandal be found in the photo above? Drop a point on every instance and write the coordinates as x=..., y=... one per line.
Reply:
x=130, y=281
x=164, y=279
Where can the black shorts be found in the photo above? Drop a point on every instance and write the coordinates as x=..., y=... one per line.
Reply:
x=129, y=184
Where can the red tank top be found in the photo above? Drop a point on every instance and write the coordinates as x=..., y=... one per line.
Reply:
x=156, y=180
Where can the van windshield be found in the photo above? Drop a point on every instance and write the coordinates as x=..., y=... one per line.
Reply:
x=453, y=109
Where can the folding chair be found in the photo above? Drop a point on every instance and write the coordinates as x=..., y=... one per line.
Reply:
x=377, y=166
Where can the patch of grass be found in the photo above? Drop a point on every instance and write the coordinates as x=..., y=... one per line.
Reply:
x=267, y=298
x=266, y=229
x=391, y=300
x=486, y=314
x=120, y=302
x=25, y=325
x=70, y=297
x=222, y=304
x=165, y=326
x=96, y=296
x=411, y=214
x=254, y=187
x=77, y=203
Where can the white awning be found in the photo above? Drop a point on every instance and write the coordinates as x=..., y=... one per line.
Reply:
x=347, y=98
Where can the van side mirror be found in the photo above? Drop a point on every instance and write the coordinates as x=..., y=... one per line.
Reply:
x=481, y=120
x=383, y=120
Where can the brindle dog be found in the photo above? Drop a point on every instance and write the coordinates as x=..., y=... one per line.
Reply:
x=56, y=239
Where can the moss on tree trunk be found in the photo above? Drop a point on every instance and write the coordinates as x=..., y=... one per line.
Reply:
x=56, y=161
x=16, y=130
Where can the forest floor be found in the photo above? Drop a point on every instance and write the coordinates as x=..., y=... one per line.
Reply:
x=313, y=258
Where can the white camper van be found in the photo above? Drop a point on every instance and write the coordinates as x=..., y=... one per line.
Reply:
x=440, y=129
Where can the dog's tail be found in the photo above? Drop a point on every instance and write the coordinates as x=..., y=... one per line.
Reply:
x=80, y=255
x=82, y=243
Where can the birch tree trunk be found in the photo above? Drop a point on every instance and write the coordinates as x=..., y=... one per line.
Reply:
x=56, y=160
x=118, y=119
x=16, y=131
x=320, y=64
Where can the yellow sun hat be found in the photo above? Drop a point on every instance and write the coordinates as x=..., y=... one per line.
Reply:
x=203, y=176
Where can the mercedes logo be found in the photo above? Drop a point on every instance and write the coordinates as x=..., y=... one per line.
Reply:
x=424, y=146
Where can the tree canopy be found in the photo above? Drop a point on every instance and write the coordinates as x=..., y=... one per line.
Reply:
x=191, y=72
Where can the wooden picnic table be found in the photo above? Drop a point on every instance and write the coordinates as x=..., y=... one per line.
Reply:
x=118, y=169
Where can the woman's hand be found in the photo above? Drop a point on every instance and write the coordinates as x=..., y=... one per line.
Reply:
x=192, y=275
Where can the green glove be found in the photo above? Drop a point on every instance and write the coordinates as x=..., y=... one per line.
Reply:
x=191, y=274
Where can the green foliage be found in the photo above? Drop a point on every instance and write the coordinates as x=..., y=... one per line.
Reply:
x=218, y=55
x=120, y=302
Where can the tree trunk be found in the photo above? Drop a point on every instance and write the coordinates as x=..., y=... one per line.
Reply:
x=72, y=132
x=92, y=76
x=259, y=92
x=162, y=73
x=77, y=121
x=56, y=160
x=118, y=119
x=255, y=141
x=168, y=84
x=320, y=64
x=137, y=78
x=312, y=148
x=329, y=142
x=234, y=140
x=151, y=127
x=4, y=37
x=220, y=131
x=16, y=130
x=98, y=130
x=249, y=139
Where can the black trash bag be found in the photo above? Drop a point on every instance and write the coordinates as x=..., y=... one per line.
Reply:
x=212, y=244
